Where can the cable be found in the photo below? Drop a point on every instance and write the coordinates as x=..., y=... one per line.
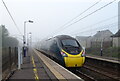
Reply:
x=107, y=26
x=77, y=16
x=11, y=17
x=89, y=14
x=81, y=13
x=98, y=22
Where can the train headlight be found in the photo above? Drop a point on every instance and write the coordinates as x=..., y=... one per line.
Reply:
x=83, y=54
x=63, y=54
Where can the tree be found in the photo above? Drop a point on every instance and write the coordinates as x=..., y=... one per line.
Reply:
x=4, y=31
x=8, y=41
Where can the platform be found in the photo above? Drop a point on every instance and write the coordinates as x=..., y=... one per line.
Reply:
x=113, y=60
x=37, y=66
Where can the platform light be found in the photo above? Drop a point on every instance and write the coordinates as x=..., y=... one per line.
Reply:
x=30, y=21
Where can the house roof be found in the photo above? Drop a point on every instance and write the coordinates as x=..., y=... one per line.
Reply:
x=83, y=37
x=116, y=34
x=103, y=34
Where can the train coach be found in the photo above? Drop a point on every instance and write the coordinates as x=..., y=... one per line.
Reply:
x=65, y=49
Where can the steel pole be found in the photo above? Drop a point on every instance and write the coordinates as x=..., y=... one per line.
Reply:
x=24, y=47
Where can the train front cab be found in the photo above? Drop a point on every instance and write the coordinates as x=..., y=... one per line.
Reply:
x=73, y=60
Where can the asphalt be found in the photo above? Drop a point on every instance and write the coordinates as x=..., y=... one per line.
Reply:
x=32, y=69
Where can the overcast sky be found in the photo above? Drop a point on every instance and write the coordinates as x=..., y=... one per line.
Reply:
x=51, y=15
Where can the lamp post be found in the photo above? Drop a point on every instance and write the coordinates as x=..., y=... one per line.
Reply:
x=24, y=41
x=30, y=39
x=102, y=42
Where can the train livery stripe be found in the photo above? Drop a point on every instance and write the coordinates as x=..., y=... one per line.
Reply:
x=78, y=55
x=35, y=69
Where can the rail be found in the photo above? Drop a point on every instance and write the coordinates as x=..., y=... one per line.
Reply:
x=98, y=69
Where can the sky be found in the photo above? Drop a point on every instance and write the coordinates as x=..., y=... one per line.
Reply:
x=49, y=16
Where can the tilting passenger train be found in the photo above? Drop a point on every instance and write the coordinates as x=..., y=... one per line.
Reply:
x=65, y=49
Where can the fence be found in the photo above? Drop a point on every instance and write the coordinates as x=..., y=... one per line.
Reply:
x=9, y=60
x=103, y=48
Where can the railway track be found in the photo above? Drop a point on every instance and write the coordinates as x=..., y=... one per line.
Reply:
x=84, y=76
x=89, y=73
x=97, y=70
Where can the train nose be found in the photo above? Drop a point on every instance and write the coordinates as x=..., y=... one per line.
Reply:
x=73, y=62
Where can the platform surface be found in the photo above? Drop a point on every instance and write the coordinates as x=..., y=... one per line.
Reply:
x=37, y=66
x=113, y=60
x=32, y=68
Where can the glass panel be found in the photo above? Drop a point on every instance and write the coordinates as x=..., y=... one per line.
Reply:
x=69, y=42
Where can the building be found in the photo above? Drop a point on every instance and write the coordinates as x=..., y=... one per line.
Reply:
x=85, y=41
x=104, y=35
x=101, y=37
x=116, y=39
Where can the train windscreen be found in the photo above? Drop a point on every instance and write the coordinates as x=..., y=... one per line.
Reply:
x=71, y=46
x=69, y=42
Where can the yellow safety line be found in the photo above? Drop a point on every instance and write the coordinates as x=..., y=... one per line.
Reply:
x=56, y=73
x=34, y=69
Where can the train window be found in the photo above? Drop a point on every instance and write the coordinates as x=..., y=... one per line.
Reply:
x=70, y=42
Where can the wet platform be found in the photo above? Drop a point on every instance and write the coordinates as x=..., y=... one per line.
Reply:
x=37, y=66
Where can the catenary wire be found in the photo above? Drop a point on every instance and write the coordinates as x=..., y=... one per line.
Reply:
x=11, y=17
x=96, y=28
x=87, y=15
x=108, y=19
x=77, y=16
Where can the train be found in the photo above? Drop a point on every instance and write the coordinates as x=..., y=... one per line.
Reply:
x=65, y=49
